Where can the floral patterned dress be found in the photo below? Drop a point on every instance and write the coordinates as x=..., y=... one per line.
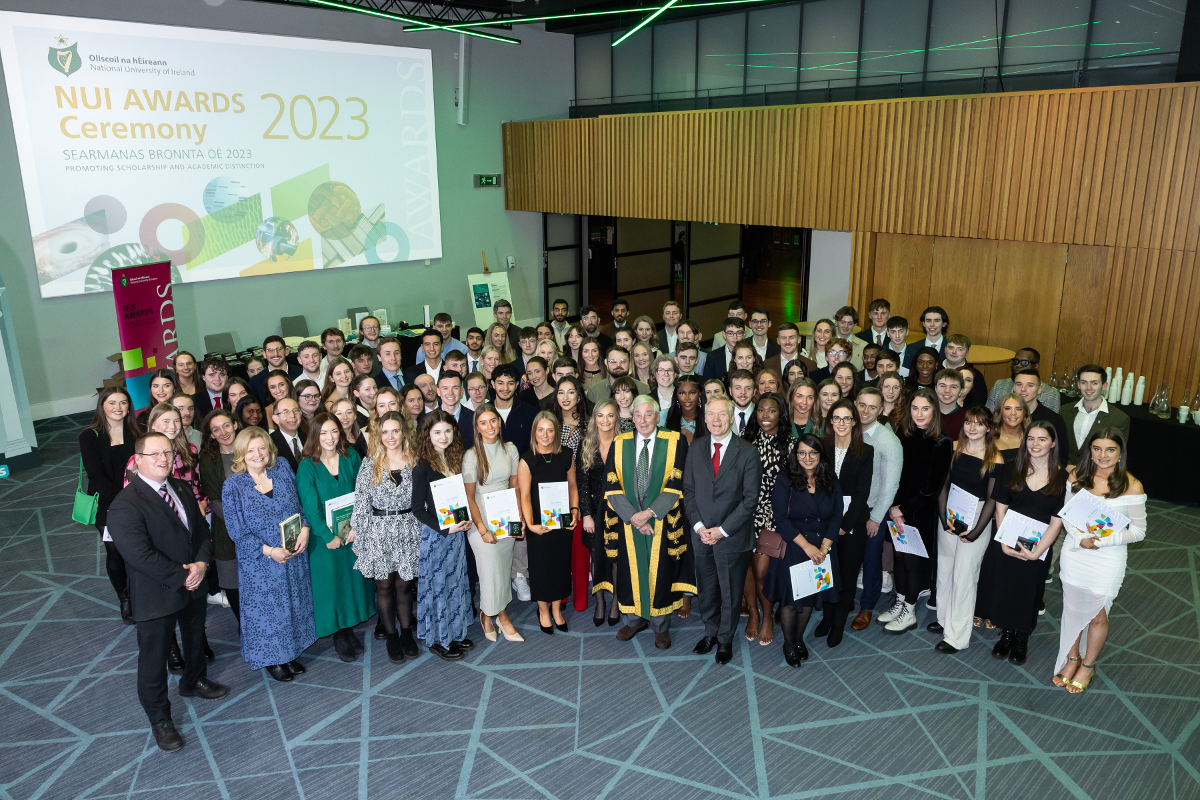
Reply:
x=772, y=463
x=385, y=544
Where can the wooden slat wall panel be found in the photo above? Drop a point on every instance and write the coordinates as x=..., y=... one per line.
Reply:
x=964, y=272
x=862, y=272
x=1026, y=297
x=1082, y=317
x=903, y=269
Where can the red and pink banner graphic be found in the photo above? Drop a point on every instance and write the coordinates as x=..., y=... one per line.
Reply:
x=146, y=322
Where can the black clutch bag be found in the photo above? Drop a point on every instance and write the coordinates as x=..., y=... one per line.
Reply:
x=565, y=521
x=462, y=514
x=1028, y=544
x=515, y=531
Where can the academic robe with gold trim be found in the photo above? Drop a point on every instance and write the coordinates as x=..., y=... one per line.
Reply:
x=653, y=572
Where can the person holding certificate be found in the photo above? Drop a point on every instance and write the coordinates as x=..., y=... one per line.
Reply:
x=967, y=508
x=276, y=591
x=387, y=537
x=1094, y=554
x=927, y=455
x=546, y=465
x=807, y=505
x=443, y=588
x=1012, y=580
x=491, y=466
x=328, y=470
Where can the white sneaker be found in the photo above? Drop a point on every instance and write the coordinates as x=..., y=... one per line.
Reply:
x=895, y=611
x=219, y=599
x=905, y=621
x=520, y=587
x=888, y=584
x=860, y=572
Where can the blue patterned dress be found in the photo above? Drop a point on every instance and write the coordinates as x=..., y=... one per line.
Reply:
x=443, y=589
x=277, y=601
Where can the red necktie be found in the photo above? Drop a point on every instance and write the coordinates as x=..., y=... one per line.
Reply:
x=216, y=402
x=716, y=459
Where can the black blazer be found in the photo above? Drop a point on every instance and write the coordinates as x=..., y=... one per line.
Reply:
x=855, y=480
x=285, y=449
x=466, y=426
x=663, y=346
x=155, y=545
x=204, y=406
x=104, y=465
x=259, y=384
x=382, y=381
x=714, y=365
x=519, y=426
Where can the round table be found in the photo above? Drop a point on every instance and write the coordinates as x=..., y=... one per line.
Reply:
x=989, y=354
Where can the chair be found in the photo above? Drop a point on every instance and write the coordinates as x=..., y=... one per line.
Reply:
x=350, y=312
x=293, y=326
x=219, y=343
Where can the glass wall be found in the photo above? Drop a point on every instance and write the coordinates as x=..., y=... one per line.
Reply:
x=860, y=49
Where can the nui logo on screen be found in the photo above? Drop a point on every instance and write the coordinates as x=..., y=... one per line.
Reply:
x=62, y=58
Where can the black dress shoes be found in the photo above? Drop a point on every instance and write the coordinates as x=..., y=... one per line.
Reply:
x=945, y=647
x=296, y=667
x=408, y=643
x=380, y=633
x=791, y=656
x=166, y=737
x=835, y=636
x=705, y=645
x=175, y=663
x=823, y=626
x=395, y=652
x=446, y=653
x=280, y=672
x=724, y=653
x=127, y=612
x=562, y=627
x=467, y=644
x=802, y=650
x=1003, y=645
x=205, y=690
x=934, y=627
x=1020, y=649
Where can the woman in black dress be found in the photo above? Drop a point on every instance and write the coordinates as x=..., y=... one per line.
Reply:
x=807, y=505
x=105, y=447
x=769, y=430
x=1013, y=581
x=854, y=463
x=590, y=471
x=927, y=455
x=547, y=461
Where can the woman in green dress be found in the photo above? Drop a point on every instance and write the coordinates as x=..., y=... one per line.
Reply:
x=342, y=598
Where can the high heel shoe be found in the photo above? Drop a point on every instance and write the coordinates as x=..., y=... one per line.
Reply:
x=562, y=627
x=515, y=636
x=489, y=635
x=613, y=621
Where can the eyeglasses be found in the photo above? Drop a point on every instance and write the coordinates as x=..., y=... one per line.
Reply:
x=273, y=350
x=158, y=454
x=841, y=419
x=371, y=328
x=808, y=456
x=310, y=396
x=1020, y=362
x=291, y=412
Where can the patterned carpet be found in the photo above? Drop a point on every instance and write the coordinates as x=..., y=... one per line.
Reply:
x=580, y=715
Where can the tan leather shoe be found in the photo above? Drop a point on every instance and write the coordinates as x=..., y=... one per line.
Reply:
x=626, y=632
x=861, y=621
x=662, y=640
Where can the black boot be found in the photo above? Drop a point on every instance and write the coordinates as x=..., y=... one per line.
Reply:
x=175, y=663
x=126, y=608
x=1020, y=648
x=409, y=643
x=344, y=650
x=1004, y=645
x=395, y=652
x=380, y=633
x=353, y=640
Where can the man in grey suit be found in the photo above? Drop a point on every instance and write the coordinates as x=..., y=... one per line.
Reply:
x=720, y=490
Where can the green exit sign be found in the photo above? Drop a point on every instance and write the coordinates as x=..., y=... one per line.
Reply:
x=486, y=180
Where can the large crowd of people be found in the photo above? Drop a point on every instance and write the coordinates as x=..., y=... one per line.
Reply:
x=764, y=477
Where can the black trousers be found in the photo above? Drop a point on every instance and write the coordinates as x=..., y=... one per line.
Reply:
x=720, y=583
x=154, y=640
x=851, y=550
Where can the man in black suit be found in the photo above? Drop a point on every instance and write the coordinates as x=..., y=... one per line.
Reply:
x=157, y=527
x=1028, y=384
x=672, y=315
x=720, y=492
x=589, y=320
x=431, y=346
x=719, y=362
x=214, y=374
x=760, y=325
x=516, y=416
x=450, y=392
x=287, y=436
x=275, y=351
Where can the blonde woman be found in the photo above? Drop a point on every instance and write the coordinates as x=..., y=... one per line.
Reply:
x=496, y=336
x=490, y=357
x=387, y=536
x=274, y=581
x=641, y=359
x=1010, y=421
x=590, y=471
x=548, y=350
x=822, y=333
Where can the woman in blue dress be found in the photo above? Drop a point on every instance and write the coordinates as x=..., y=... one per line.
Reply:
x=807, y=506
x=443, y=589
x=276, y=590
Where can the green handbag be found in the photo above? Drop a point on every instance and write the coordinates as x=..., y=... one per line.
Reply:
x=84, y=510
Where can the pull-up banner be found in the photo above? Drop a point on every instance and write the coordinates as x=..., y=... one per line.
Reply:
x=146, y=322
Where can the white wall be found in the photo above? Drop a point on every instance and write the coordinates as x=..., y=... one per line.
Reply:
x=63, y=341
x=829, y=273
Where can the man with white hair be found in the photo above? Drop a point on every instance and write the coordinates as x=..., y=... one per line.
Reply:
x=644, y=526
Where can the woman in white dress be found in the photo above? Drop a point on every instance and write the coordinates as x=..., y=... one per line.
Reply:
x=1093, y=565
x=490, y=466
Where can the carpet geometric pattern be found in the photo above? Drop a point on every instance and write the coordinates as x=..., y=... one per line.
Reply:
x=581, y=715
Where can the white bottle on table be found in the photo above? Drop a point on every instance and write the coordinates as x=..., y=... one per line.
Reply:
x=1139, y=393
x=1127, y=390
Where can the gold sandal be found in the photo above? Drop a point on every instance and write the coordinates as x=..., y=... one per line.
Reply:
x=977, y=621
x=1076, y=685
x=1058, y=679
x=987, y=623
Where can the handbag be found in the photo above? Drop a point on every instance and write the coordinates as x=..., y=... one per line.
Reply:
x=86, y=505
x=770, y=543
